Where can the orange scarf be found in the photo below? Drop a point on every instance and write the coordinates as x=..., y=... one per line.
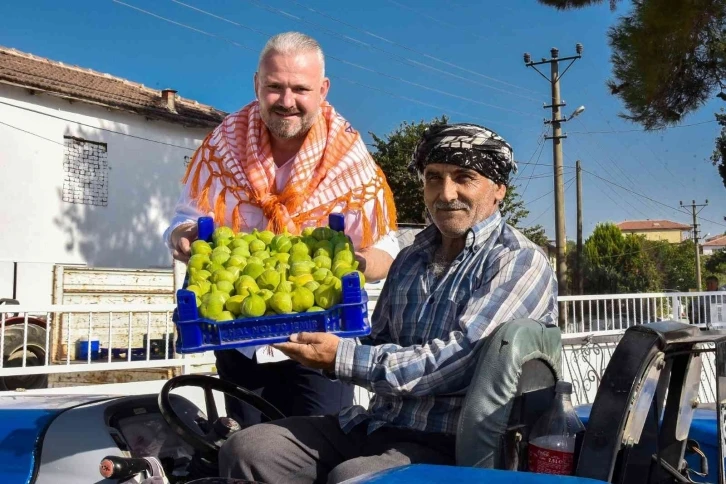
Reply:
x=332, y=172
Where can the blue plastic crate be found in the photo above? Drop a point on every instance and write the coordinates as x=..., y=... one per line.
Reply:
x=349, y=319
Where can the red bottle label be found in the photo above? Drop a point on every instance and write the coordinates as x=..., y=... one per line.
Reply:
x=546, y=461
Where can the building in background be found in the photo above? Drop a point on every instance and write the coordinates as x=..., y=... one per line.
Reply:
x=91, y=166
x=667, y=230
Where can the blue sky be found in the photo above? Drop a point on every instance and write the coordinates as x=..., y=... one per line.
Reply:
x=409, y=61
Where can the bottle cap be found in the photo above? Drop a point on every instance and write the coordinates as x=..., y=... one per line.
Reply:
x=563, y=387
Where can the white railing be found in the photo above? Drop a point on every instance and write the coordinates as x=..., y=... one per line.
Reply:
x=140, y=336
x=129, y=337
x=608, y=312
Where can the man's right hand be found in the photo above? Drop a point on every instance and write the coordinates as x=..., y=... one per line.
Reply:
x=181, y=240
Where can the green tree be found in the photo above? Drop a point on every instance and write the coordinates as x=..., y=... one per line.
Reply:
x=616, y=264
x=393, y=153
x=669, y=58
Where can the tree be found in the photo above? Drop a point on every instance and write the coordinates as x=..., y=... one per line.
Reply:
x=669, y=58
x=616, y=264
x=393, y=154
x=514, y=211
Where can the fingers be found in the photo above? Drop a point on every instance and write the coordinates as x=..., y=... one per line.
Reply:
x=307, y=338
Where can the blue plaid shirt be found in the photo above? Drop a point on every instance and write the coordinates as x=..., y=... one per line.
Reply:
x=420, y=355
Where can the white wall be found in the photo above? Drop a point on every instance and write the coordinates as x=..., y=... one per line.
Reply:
x=143, y=185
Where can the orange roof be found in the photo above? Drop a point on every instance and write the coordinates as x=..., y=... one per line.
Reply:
x=72, y=82
x=717, y=241
x=635, y=225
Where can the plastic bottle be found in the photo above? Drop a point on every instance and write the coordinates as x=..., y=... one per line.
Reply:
x=552, y=440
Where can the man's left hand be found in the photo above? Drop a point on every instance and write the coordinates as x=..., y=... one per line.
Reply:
x=315, y=350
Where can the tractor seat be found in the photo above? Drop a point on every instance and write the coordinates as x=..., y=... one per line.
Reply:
x=513, y=385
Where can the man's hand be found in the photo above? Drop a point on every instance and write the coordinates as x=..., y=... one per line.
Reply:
x=181, y=239
x=315, y=350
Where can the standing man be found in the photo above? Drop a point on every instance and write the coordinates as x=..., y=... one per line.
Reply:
x=285, y=162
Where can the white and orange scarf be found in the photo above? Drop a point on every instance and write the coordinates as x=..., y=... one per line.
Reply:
x=333, y=171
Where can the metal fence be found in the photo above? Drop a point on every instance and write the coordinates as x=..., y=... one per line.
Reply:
x=59, y=338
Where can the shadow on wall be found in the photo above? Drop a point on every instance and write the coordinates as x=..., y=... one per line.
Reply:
x=143, y=185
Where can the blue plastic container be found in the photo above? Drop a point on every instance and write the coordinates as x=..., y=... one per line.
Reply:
x=349, y=319
x=82, y=349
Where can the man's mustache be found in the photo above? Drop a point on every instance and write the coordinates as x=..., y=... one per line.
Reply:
x=285, y=112
x=453, y=205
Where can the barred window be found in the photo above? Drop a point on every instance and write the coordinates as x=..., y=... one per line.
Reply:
x=86, y=172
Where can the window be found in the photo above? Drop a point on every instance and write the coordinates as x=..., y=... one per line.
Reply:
x=86, y=172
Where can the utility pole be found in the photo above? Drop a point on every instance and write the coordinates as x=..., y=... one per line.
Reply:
x=557, y=137
x=695, y=239
x=578, y=273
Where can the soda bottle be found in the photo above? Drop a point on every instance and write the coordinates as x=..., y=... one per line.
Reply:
x=552, y=440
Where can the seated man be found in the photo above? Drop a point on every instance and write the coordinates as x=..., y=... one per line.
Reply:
x=464, y=275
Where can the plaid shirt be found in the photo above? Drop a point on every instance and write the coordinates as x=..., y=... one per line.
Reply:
x=421, y=353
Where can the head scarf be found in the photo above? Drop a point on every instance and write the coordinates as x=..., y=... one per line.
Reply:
x=466, y=145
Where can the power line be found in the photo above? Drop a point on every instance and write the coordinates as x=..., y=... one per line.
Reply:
x=375, y=36
x=630, y=191
x=568, y=183
x=32, y=134
x=436, y=20
x=643, y=130
x=95, y=127
x=242, y=46
x=345, y=38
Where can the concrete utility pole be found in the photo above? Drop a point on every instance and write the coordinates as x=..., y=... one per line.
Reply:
x=557, y=137
x=578, y=273
x=695, y=239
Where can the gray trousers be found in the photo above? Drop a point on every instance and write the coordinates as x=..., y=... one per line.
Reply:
x=315, y=450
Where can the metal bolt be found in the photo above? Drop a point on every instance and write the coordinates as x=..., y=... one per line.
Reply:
x=694, y=404
x=660, y=364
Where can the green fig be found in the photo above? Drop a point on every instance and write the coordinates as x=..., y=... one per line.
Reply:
x=253, y=307
x=284, y=286
x=224, y=316
x=320, y=274
x=219, y=257
x=222, y=275
x=314, y=309
x=245, y=281
x=261, y=254
x=281, y=244
x=238, y=243
x=308, y=231
x=257, y=245
x=323, y=233
x=312, y=285
x=326, y=296
x=302, y=299
x=323, y=262
x=253, y=270
x=196, y=290
x=265, y=294
x=201, y=247
x=299, y=268
x=269, y=279
x=243, y=252
x=212, y=266
x=282, y=256
x=236, y=261
x=299, y=249
x=281, y=302
x=197, y=261
x=266, y=236
x=225, y=287
x=222, y=233
x=234, y=304
x=249, y=238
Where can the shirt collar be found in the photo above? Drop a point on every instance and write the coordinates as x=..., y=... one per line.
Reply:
x=476, y=236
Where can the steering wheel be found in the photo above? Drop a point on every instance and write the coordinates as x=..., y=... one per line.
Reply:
x=221, y=427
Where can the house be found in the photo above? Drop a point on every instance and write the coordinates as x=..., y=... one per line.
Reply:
x=713, y=244
x=91, y=165
x=672, y=232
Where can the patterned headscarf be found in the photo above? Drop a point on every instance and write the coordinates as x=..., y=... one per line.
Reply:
x=466, y=145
